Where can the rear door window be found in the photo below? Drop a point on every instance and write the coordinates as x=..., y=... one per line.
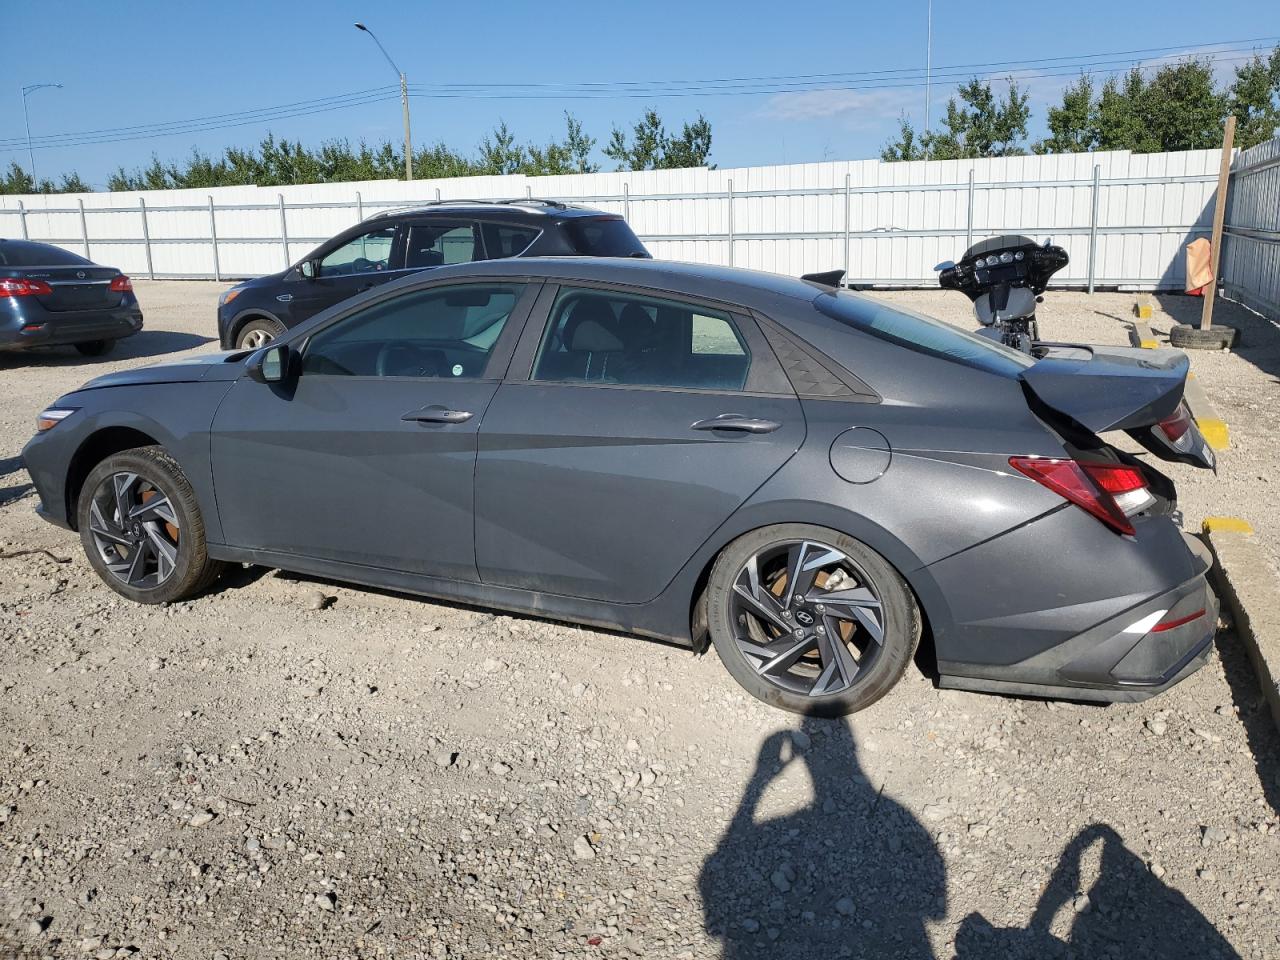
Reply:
x=604, y=237
x=596, y=336
x=503, y=240
x=439, y=244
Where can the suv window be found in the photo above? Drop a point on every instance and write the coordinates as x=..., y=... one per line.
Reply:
x=444, y=332
x=601, y=337
x=366, y=253
x=503, y=240
x=434, y=245
x=604, y=237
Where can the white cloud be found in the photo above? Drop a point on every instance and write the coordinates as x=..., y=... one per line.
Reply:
x=845, y=104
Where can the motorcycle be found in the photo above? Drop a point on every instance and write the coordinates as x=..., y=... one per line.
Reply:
x=1004, y=277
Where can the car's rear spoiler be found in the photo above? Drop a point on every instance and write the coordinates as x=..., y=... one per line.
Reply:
x=1120, y=388
x=829, y=278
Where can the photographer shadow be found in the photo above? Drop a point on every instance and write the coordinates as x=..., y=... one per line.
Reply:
x=850, y=874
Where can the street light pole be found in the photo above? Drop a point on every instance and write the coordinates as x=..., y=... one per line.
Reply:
x=928, y=71
x=26, y=119
x=404, y=102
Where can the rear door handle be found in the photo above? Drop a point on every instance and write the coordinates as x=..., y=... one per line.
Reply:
x=438, y=414
x=737, y=422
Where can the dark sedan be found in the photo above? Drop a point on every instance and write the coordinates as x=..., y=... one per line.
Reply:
x=52, y=297
x=806, y=476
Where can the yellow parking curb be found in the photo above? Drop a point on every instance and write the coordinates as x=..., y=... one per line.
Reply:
x=1143, y=309
x=1212, y=426
x=1226, y=525
x=1141, y=336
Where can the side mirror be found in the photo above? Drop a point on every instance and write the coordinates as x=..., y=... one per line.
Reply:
x=309, y=269
x=271, y=365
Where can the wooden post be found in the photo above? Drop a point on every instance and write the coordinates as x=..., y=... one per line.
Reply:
x=1219, y=211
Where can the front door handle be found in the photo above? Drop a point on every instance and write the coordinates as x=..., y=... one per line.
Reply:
x=438, y=414
x=734, y=421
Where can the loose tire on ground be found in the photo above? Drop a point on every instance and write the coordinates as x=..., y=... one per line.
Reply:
x=95, y=348
x=193, y=571
x=1217, y=337
x=258, y=332
x=900, y=619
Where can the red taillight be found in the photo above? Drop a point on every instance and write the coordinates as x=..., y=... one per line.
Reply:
x=1177, y=428
x=121, y=284
x=1091, y=486
x=21, y=287
x=1181, y=621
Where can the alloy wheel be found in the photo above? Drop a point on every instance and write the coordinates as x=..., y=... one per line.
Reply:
x=806, y=617
x=255, y=338
x=135, y=530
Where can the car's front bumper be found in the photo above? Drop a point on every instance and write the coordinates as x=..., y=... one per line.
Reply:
x=47, y=329
x=1126, y=658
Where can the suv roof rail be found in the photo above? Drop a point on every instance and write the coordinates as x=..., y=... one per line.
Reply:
x=513, y=202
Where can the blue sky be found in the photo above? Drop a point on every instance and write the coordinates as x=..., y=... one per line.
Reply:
x=146, y=62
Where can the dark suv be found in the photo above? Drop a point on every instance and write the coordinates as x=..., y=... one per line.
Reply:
x=391, y=244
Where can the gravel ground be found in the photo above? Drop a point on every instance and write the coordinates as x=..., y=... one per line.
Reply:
x=289, y=767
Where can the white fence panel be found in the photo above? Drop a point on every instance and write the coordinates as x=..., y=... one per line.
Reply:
x=1251, y=234
x=1122, y=218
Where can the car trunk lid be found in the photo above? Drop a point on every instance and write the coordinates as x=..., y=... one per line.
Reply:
x=75, y=288
x=1116, y=388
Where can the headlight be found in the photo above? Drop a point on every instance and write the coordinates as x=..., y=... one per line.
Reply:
x=229, y=295
x=48, y=419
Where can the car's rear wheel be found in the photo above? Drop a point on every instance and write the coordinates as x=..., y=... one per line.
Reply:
x=95, y=348
x=258, y=332
x=810, y=620
x=141, y=528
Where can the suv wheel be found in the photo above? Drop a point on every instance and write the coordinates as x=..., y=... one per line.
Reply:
x=811, y=620
x=141, y=528
x=258, y=332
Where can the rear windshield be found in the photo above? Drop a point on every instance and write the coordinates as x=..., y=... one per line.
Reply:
x=923, y=334
x=18, y=253
x=605, y=237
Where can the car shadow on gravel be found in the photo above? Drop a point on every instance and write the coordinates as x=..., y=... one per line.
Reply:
x=10, y=470
x=1254, y=713
x=853, y=873
x=148, y=343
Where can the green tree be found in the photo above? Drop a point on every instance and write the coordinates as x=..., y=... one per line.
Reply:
x=652, y=148
x=908, y=146
x=1073, y=126
x=1255, y=99
x=979, y=124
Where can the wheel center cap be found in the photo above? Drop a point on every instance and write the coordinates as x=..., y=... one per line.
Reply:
x=805, y=617
x=136, y=530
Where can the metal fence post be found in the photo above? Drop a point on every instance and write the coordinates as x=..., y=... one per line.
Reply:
x=437, y=194
x=1093, y=226
x=847, y=265
x=22, y=219
x=213, y=235
x=359, y=207
x=968, y=233
x=626, y=202
x=284, y=231
x=84, y=230
x=146, y=237
x=731, y=223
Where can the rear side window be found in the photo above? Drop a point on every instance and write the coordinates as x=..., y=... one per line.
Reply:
x=434, y=245
x=922, y=334
x=20, y=254
x=595, y=336
x=503, y=240
x=604, y=237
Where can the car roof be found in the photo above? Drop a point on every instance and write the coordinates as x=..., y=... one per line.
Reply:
x=691, y=279
x=531, y=207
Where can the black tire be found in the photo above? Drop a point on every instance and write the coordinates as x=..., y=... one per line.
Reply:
x=258, y=332
x=1217, y=337
x=898, y=615
x=190, y=571
x=95, y=348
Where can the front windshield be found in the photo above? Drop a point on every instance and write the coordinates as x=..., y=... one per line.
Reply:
x=1002, y=242
x=922, y=334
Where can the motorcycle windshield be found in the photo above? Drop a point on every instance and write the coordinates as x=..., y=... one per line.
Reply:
x=1002, y=242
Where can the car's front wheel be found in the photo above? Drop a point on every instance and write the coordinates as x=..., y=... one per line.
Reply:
x=811, y=620
x=142, y=530
x=258, y=332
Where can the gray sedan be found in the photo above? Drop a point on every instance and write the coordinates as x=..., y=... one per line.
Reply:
x=811, y=480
